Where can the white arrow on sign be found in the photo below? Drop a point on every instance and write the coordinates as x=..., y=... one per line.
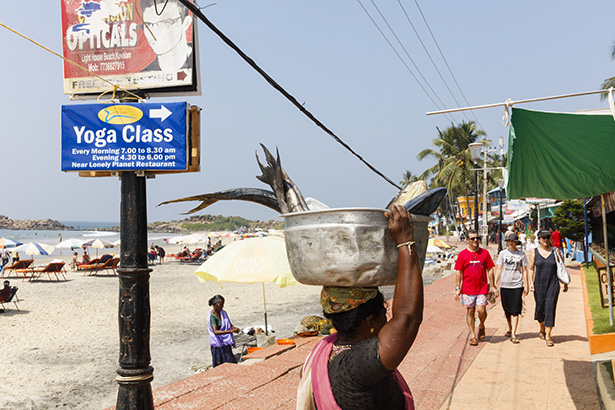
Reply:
x=162, y=113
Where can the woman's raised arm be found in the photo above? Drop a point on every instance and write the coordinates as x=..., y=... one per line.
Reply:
x=397, y=336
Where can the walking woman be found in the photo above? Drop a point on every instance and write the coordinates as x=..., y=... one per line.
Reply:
x=356, y=368
x=221, y=331
x=512, y=273
x=545, y=285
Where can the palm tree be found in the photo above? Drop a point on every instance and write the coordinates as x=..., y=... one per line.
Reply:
x=408, y=178
x=609, y=82
x=453, y=168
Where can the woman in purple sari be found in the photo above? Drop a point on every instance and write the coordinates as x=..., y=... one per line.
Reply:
x=221, y=332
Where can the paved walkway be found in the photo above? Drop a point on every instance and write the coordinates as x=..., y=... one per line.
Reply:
x=443, y=371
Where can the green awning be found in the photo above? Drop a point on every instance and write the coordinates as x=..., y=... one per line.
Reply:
x=559, y=155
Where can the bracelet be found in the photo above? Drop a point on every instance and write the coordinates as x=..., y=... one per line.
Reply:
x=408, y=244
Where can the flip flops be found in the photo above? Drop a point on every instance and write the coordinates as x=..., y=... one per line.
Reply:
x=542, y=335
x=515, y=340
x=508, y=333
x=550, y=343
x=473, y=341
x=481, y=333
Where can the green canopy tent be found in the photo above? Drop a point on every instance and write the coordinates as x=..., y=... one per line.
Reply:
x=562, y=156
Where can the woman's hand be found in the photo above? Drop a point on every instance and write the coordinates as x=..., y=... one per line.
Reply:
x=400, y=224
x=565, y=287
x=236, y=329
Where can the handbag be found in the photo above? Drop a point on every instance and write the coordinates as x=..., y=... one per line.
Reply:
x=562, y=272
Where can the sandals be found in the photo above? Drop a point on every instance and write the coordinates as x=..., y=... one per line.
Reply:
x=515, y=340
x=550, y=343
x=542, y=335
x=508, y=333
x=473, y=341
x=481, y=333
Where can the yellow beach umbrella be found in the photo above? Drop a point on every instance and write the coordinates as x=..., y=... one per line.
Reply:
x=250, y=260
x=439, y=243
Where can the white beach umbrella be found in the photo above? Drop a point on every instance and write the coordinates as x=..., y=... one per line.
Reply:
x=194, y=239
x=70, y=244
x=9, y=243
x=35, y=248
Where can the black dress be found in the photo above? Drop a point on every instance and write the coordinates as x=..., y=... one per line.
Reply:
x=546, y=288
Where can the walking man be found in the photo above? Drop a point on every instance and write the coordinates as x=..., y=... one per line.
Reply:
x=474, y=279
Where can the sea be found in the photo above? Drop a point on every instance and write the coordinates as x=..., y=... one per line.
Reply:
x=83, y=230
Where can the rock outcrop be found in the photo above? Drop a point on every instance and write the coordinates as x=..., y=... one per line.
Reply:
x=28, y=224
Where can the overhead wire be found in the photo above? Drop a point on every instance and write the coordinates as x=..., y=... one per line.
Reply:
x=445, y=61
x=430, y=58
x=197, y=12
x=402, y=60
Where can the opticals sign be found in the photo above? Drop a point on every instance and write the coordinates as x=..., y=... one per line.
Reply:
x=124, y=137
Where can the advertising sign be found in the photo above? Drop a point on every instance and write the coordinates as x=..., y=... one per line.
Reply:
x=136, y=44
x=124, y=137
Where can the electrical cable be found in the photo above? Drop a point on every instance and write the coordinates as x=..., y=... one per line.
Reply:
x=430, y=58
x=197, y=12
x=401, y=58
x=445, y=61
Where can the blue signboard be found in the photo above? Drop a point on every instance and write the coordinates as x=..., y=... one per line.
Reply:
x=124, y=137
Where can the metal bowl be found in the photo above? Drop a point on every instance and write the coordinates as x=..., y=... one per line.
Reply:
x=346, y=246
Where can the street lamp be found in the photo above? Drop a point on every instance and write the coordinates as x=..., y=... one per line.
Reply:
x=475, y=148
x=500, y=185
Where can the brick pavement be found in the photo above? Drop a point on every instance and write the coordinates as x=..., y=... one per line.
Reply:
x=443, y=371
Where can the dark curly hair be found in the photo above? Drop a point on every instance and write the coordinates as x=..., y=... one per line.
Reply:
x=347, y=323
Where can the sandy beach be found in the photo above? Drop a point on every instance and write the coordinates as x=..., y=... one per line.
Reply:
x=60, y=350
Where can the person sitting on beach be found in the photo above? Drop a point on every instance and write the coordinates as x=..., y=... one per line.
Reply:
x=356, y=368
x=221, y=331
x=15, y=256
x=5, y=292
x=74, y=262
x=86, y=258
x=184, y=253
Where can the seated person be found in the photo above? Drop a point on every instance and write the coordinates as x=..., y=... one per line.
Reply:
x=5, y=292
x=86, y=258
x=185, y=252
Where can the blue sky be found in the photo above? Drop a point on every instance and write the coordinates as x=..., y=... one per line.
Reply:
x=329, y=55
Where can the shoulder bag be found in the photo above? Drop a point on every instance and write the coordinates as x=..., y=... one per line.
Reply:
x=562, y=272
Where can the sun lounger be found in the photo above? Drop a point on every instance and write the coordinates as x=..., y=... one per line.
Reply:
x=197, y=255
x=22, y=264
x=51, y=268
x=110, y=266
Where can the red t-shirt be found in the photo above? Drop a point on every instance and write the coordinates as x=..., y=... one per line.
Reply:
x=474, y=267
x=557, y=240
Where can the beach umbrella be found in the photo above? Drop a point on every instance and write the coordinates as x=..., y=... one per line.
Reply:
x=194, y=239
x=98, y=244
x=35, y=248
x=433, y=249
x=70, y=244
x=9, y=243
x=254, y=260
x=439, y=243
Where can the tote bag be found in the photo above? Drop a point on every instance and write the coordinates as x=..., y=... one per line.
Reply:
x=562, y=272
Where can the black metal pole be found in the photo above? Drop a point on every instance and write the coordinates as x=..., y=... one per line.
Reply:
x=134, y=374
x=476, y=199
x=500, y=229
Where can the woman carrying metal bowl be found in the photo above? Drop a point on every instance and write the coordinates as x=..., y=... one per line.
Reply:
x=356, y=368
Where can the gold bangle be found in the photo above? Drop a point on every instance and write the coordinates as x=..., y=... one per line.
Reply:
x=408, y=244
